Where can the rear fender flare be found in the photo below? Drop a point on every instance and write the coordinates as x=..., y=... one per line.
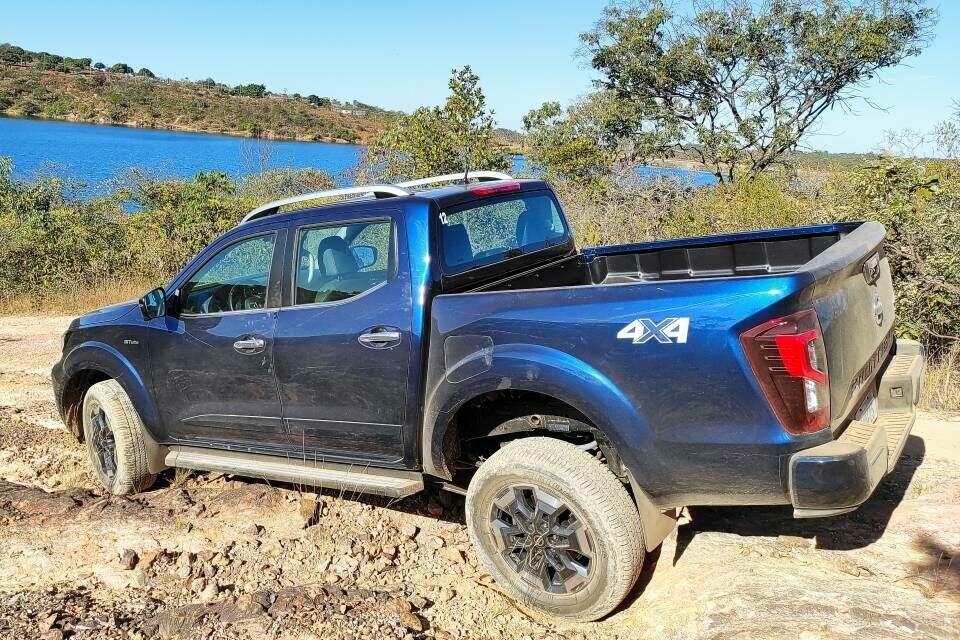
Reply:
x=549, y=372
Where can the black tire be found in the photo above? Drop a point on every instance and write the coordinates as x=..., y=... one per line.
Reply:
x=535, y=475
x=115, y=439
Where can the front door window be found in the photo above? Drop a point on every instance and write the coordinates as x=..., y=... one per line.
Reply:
x=235, y=279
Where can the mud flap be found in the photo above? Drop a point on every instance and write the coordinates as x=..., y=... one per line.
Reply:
x=657, y=525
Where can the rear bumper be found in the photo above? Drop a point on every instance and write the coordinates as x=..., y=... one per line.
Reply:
x=839, y=476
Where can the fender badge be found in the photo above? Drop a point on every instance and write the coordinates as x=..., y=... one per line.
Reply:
x=668, y=331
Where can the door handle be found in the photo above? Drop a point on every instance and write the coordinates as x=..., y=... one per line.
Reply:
x=250, y=344
x=380, y=337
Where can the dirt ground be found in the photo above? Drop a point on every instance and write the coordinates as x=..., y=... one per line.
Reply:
x=211, y=556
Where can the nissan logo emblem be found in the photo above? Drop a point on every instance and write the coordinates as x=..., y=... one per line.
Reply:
x=877, y=309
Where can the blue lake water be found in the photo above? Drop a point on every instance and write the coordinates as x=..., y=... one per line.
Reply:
x=98, y=154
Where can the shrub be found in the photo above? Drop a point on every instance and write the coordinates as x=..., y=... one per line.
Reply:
x=51, y=242
x=919, y=204
x=250, y=90
x=47, y=241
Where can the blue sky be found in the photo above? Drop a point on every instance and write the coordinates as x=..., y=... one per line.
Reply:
x=399, y=54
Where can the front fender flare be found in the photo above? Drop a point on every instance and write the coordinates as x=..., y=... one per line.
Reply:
x=99, y=356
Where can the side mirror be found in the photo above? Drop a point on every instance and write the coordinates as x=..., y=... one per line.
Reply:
x=366, y=255
x=154, y=304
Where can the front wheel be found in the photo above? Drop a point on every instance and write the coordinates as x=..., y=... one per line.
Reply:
x=115, y=439
x=555, y=528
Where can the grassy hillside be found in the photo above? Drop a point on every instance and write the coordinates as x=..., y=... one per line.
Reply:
x=47, y=86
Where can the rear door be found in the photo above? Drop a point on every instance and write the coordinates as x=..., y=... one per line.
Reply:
x=343, y=342
x=213, y=363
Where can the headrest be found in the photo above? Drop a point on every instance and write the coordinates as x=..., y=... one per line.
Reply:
x=456, y=244
x=535, y=224
x=335, y=257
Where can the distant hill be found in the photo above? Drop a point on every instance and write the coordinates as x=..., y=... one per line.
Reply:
x=833, y=160
x=46, y=85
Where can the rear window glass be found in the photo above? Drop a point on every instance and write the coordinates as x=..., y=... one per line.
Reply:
x=485, y=232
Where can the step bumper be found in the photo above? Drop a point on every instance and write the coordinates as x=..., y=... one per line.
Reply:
x=839, y=476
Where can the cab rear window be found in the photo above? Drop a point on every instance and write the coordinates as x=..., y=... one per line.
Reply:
x=484, y=232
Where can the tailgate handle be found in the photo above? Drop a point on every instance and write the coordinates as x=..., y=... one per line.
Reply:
x=871, y=268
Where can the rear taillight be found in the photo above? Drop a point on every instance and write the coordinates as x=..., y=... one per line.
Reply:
x=790, y=362
x=494, y=189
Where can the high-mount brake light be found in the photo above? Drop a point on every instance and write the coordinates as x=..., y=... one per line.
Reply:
x=494, y=189
x=788, y=357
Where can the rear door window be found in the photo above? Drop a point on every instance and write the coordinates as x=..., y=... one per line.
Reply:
x=338, y=262
x=485, y=232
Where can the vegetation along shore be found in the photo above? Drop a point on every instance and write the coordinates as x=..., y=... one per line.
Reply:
x=46, y=85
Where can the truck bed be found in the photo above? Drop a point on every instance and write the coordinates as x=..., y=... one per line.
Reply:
x=775, y=251
x=680, y=398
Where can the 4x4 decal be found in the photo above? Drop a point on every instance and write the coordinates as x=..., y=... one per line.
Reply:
x=666, y=331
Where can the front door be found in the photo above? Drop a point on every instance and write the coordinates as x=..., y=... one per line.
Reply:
x=343, y=344
x=213, y=362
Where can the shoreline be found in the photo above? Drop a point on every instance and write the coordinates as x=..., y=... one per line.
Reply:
x=181, y=129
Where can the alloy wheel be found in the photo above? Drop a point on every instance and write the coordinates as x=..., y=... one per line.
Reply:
x=542, y=539
x=103, y=441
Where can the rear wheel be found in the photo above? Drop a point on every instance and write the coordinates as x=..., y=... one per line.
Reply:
x=115, y=439
x=555, y=528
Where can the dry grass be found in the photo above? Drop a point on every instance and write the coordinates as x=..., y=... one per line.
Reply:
x=74, y=300
x=941, y=389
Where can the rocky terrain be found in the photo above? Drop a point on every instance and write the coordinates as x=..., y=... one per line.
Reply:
x=212, y=556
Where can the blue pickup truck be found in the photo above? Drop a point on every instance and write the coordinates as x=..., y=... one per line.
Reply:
x=448, y=331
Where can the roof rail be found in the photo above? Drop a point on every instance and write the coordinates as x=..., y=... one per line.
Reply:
x=272, y=207
x=378, y=190
x=450, y=177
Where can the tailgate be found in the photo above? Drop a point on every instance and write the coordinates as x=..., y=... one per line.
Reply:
x=852, y=292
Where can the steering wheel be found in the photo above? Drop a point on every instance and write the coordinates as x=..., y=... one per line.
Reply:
x=211, y=305
x=235, y=303
x=238, y=298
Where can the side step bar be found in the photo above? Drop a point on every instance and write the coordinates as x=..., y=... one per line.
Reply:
x=350, y=478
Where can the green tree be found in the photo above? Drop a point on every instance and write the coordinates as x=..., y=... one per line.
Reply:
x=438, y=140
x=178, y=218
x=146, y=73
x=250, y=90
x=49, y=61
x=947, y=135
x=917, y=202
x=100, y=66
x=574, y=144
x=121, y=67
x=738, y=83
x=12, y=53
x=317, y=101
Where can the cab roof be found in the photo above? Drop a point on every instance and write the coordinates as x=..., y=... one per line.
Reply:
x=391, y=196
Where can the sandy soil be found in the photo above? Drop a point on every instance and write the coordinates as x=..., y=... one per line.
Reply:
x=211, y=556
